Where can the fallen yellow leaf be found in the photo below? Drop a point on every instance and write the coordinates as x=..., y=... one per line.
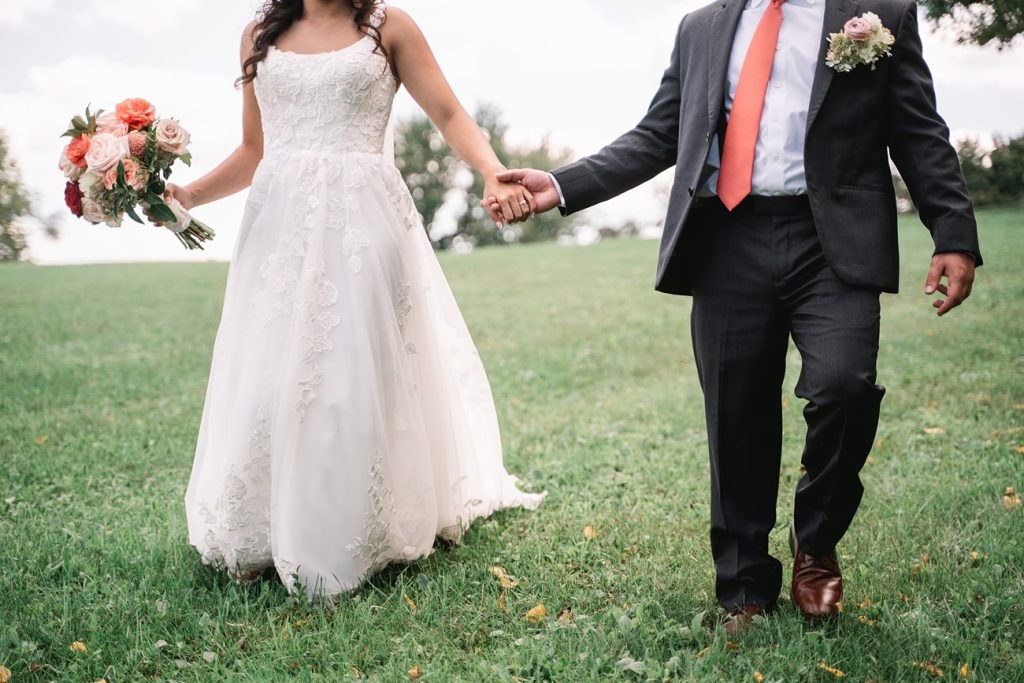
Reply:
x=564, y=616
x=841, y=608
x=929, y=332
x=5, y=674
x=78, y=646
x=864, y=619
x=41, y=440
x=871, y=460
x=975, y=557
x=965, y=671
x=536, y=614
x=355, y=673
x=933, y=431
x=589, y=532
x=415, y=673
x=930, y=668
x=300, y=623
x=932, y=405
x=731, y=646
x=504, y=579
x=409, y=601
x=831, y=669
x=501, y=601
x=865, y=603
x=758, y=677
x=703, y=652
x=1020, y=449
x=1011, y=498
x=1018, y=406
x=1015, y=430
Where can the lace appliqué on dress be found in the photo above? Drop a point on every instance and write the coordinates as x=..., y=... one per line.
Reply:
x=372, y=546
x=319, y=321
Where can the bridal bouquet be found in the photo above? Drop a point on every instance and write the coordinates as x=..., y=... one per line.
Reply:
x=120, y=160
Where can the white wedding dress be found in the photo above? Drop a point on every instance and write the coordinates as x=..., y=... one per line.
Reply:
x=348, y=419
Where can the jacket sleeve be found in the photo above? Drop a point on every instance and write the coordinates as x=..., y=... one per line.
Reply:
x=636, y=157
x=919, y=145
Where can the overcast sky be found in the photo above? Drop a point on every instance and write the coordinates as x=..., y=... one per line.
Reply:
x=578, y=71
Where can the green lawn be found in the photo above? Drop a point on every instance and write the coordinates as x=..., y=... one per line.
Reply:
x=102, y=375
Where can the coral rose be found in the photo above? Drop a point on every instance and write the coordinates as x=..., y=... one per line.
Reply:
x=73, y=198
x=70, y=170
x=858, y=29
x=78, y=148
x=136, y=112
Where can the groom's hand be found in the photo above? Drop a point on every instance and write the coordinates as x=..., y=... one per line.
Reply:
x=540, y=185
x=958, y=269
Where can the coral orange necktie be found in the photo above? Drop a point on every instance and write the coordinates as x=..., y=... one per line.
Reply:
x=745, y=119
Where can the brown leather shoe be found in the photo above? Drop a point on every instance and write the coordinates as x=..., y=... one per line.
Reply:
x=741, y=619
x=817, y=582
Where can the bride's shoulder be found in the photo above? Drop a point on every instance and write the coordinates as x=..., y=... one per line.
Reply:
x=397, y=26
x=249, y=37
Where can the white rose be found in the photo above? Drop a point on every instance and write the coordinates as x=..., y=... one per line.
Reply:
x=70, y=170
x=172, y=137
x=105, y=151
x=107, y=122
x=92, y=212
x=87, y=181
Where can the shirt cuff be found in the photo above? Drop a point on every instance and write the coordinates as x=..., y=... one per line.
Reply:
x=558, y=188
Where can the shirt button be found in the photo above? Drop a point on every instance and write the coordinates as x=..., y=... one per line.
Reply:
x=778, y=84
x=775, y=117
x=775, y=156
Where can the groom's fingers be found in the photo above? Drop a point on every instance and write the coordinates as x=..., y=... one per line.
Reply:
x=957, y=293
x=514, y=175
x=934, y=276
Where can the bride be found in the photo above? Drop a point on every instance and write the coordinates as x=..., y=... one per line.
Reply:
x=348, y=419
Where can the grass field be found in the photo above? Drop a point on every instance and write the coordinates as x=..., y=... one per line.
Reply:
x=102, y=374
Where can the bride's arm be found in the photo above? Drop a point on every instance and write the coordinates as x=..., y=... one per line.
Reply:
x=235, y=173
x=419, y=72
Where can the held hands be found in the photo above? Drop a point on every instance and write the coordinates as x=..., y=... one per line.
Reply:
x=537, y=189
x=958, y=269
x=507, y=202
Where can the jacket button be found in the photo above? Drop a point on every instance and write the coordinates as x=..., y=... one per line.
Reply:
x=690, y=190
x=709, y=136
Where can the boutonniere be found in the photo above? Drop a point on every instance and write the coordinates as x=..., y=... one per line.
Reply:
x=863, y=41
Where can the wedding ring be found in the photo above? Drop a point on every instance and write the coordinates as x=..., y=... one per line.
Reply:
x=523, y=202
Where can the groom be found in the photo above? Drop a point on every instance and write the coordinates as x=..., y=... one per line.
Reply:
x=782, y=222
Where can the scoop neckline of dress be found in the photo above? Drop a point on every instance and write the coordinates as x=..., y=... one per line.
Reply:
x=275, y=48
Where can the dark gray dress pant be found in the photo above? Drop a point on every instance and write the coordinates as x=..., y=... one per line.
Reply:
x=760, y=277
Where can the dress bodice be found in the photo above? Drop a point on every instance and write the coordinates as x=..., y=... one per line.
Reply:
x=326, y=103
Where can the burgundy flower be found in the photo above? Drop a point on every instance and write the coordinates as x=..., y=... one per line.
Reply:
x=73, y=198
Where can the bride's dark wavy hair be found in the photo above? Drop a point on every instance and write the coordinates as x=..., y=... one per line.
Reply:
x=277, y=16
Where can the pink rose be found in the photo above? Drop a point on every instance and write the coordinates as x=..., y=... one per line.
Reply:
x=105, y=151
x=133, y=175
x=109, y=123
x=171, y=137
x=858, y=29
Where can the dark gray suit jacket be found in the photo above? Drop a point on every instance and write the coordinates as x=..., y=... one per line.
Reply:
x=855, y=121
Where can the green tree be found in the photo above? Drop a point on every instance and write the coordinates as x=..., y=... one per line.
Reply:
x=14, y=205
x=979, y=21
x=437, y=177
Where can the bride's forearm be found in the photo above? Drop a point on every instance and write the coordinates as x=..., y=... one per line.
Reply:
x=233, y=175
x=466, y=140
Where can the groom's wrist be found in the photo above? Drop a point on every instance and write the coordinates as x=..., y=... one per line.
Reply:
x=558, y=189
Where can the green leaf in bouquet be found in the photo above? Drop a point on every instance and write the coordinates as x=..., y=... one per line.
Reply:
x=161, y=212
x=121, y=180
x=167, y=172
x=151, y=197
x=72, y=133
x=130, y=210
x=186, y=159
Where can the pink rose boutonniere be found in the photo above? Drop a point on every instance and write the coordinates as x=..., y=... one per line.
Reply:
x=863, y=41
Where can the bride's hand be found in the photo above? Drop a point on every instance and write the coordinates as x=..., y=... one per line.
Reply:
x=177, y=192
x=515, y=202
x=182, y=194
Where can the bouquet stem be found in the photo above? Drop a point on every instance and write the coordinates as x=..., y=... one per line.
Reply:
x=195, y=234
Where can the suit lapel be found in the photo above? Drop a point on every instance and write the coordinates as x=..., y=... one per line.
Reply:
x=837, y=13
x=723, y=30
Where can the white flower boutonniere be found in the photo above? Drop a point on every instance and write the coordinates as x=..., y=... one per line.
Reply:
x=863, y=41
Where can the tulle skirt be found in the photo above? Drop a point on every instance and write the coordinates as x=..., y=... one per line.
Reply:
x=348, y=419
